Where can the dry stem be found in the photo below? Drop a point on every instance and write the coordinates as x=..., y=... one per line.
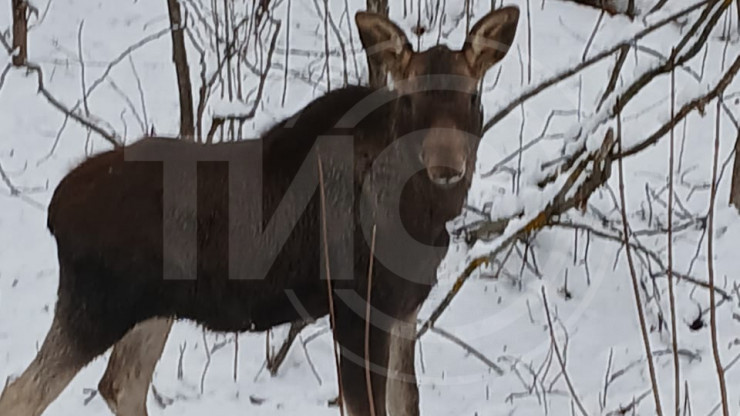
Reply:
x=559, y=356
x=633, y=274
x=368, y=379
x=332, y=316
x=671, y=296
x=710, y=271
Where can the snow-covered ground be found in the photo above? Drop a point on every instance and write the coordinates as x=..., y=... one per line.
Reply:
x=503, y=319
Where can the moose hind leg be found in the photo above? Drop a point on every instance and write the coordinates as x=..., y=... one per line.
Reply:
x=402, y=390
x=55, y=365
x=126, y=381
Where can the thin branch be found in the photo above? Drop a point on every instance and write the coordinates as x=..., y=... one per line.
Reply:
x=710, y=271
x=274, y=362
x=565, y=198
x=332, y=316
x=533, y=91
x=81, y=58
x=633, y=274
x=636, y=246
x=110, y=136
x=593, y=35
x=4, y=74
x=368, y=378
x=671, y=296
x=559, y=356
x=218, y=121
x=468, y=348
x=698, y=103
x=125, y=53
x=621, y=59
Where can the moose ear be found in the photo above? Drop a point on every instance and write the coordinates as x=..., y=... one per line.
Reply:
x=384, y=42
x=490, y=39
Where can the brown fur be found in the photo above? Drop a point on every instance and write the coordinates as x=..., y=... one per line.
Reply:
x=140, y=243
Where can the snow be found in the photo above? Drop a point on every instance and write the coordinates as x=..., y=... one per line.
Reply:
x=504, y=319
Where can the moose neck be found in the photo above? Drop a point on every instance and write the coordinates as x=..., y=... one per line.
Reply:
x=425, y=207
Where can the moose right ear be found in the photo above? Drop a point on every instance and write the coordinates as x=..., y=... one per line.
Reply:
x=490, y=39
x=384, y=42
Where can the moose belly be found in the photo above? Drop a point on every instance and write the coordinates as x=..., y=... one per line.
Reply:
x=240, y=307
x=290, y=291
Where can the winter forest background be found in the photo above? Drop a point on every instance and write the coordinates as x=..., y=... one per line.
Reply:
x=583, y=116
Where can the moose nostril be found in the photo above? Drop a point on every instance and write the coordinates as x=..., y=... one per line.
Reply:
x=444, y=172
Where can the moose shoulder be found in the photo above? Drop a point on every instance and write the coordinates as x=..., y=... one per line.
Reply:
x=236, y=236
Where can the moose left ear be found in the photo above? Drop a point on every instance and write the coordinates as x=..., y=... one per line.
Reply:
x=490, y=39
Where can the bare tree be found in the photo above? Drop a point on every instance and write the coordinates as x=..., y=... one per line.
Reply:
x=20, y=31
x=180, y=58
x=375, y=69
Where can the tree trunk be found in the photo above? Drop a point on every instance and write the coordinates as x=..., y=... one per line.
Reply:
x=376, y=71
x=180, y=58
x=735, y=187
x=20, y=31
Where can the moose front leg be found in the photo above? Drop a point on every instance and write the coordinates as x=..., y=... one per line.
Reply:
x=351, y=338
x=402, y=388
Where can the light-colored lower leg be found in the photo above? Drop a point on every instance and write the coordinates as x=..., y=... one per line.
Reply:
x=48, y=374
x=126, y=381
x=402, y=391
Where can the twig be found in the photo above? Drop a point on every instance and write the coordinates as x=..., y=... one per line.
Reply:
x=273, y=363
x=529, y=42
x=129, y=103
x=644, y=79
x=218, y=121
x=14, y=191
x=182, y=347
x=126, y=52
x=368, y=378
x=468, y=348
x=671, y=296
x=326, y=45
x=696, y=104
x=710, y=271
x=141, y=93
x=207, y=364
x=606, y=379
x=564, y=372
x=82, y=69
x=593, y=35
x=287, y=55
x=654, y=257
x=309, y=360
x=4, y=74
x=675, y=60
x=332, y=316
x=533, y=91
x=109, y=136
x=659, y=5
x=621, y=58
x=633, y=274
x=566, y=198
